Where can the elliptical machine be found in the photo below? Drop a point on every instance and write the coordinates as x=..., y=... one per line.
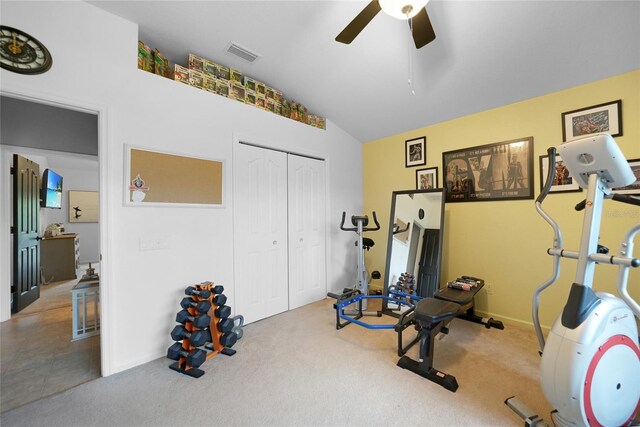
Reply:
x=590, y=369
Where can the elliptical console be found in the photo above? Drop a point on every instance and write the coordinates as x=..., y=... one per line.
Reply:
x=590, y=369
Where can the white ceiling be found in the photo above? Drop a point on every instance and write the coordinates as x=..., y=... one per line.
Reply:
x=486, y=54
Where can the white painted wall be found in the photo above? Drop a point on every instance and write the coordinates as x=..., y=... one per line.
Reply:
x=93, y=69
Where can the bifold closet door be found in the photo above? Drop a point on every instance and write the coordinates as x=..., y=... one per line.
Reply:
x=307, y=264
x=260, y=229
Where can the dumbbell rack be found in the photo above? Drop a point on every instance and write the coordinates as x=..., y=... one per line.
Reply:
x=217, y=338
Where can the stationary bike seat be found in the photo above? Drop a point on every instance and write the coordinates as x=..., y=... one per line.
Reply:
x=433, y=310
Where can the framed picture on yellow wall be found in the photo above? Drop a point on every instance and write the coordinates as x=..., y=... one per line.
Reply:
x=427, y=179
x=563, y=182
x=632, y=189
x=415, y=152
x=605, y=118
x=499, y=171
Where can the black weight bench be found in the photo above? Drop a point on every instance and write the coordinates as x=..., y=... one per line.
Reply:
x=431, y=316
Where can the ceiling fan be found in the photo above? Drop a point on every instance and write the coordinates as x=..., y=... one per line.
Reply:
x=413, y=11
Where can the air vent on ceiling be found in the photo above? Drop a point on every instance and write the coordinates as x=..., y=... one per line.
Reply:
x=242, y=52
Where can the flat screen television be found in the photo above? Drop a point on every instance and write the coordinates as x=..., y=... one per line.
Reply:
x=51, y=196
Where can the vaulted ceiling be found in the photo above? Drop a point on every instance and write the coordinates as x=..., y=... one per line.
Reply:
x=486, y=54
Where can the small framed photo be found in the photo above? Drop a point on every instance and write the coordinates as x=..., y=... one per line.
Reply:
x=633, y=189
x=416, y=152
x=426, y=179
x=563, y=182
x=590, y=120
x=83, y=206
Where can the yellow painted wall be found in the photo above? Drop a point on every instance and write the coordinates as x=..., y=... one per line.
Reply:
x=504, y=242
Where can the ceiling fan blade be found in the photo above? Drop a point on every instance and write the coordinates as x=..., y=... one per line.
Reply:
x=422, y=29
x=354, y=28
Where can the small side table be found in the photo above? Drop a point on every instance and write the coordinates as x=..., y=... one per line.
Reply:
x=85, y=305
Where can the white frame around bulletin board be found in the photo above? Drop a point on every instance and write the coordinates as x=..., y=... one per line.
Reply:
x=138, y=185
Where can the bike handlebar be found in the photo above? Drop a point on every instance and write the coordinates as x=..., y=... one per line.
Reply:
x=375, y=220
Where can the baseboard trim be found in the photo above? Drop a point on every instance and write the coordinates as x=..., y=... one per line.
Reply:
x=137, y=362
x=510, y=320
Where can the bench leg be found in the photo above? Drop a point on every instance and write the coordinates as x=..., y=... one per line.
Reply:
x=424, y=368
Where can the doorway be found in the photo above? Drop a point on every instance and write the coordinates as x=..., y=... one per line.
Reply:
x=38, y=355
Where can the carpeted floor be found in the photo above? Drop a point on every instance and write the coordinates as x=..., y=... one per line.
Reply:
x=295, y=369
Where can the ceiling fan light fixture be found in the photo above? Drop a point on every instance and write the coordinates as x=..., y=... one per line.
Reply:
x=402, y=9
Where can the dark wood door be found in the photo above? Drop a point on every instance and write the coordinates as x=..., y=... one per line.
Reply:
x=26, y=242
x=429, y=270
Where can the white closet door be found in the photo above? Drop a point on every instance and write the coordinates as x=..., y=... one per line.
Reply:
x=260, y=229
x=307, y=264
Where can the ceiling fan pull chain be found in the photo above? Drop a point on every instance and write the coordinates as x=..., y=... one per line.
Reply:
x=410, y=61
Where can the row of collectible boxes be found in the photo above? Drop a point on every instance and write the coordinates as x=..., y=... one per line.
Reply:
x=225, y=81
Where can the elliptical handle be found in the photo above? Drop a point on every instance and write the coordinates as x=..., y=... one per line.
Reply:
x=551, y=151
x=580, y=206
x=626, y=199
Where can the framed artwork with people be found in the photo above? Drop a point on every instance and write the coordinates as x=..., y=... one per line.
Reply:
x=415, y=152
x=587, y=121
x=499, y=171
x=427, y=179
x=563, y=182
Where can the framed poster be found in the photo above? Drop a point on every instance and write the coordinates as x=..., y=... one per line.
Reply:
x=632, y=189
x=595, y=119
x=427, y=179
x=563, y=182
x=415, y=152
x=154, y=178
x=500, y=171
x=83, y=206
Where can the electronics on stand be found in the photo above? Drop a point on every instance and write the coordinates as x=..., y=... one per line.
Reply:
x=590, y=370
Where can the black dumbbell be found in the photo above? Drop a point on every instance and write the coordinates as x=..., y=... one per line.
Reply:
x=197, y=337
x=195, y=357
x=219, y=299
x=201, y=306
x=201, y=321
x=225, y=325
x=228, y=339
x=191, y=290
x=222, y=312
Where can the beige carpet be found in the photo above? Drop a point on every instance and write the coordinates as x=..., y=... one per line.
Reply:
x=296, y=369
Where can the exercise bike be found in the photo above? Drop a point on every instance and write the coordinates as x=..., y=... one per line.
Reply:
x=590, y=370
x=360, y=226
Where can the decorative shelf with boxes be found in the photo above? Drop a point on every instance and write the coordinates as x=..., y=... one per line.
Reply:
x=221, y=80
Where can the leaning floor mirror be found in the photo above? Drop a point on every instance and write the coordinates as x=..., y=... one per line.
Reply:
x=414, y=246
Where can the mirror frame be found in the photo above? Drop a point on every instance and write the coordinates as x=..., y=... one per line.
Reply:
x=385, y=287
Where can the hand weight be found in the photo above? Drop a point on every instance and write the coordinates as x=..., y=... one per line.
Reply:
x=238, y=322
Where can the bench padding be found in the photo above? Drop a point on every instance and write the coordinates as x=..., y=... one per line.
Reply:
x=433, y=310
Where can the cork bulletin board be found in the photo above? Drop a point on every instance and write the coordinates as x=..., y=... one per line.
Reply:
x=156, y=178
